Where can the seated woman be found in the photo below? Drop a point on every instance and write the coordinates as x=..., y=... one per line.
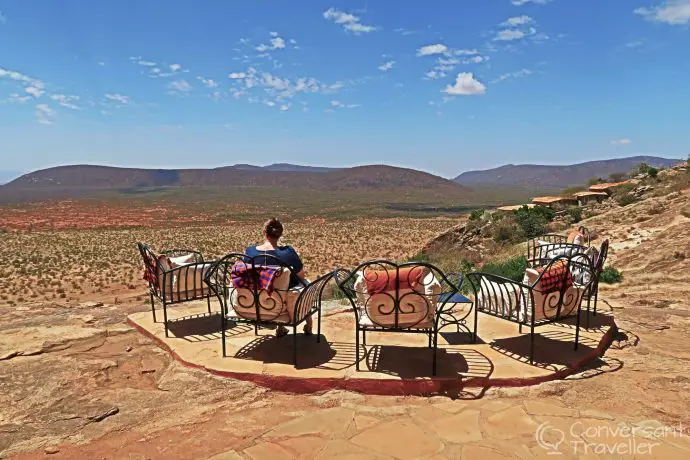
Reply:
x=272, y=232
x=578, y=236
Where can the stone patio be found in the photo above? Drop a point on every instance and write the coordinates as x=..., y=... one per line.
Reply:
x=391, y=363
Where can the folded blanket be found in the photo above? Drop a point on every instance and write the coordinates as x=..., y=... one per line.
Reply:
x=556, y=278
x=253, y=277
x=385, y=280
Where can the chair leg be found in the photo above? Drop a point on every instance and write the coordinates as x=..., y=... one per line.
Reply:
x=429, y=340
x=531, y=345
x=596, y=298
x=222, y=330
x=294, y=345
x=256, y=329
x=153, y=308
x=357, y=348
x=474, y=336
x=318, y=325
x=577, y=327
x=433, y=365
x=208, y=300
x=520, y=328
x=165, y=317
x=364, y=337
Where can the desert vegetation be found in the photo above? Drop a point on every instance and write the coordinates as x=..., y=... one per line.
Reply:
x=64, y=265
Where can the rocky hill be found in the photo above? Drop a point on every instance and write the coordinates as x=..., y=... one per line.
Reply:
x=556, y=176
x=80, y=180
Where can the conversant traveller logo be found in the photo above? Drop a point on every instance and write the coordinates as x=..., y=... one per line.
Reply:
x=586, y=438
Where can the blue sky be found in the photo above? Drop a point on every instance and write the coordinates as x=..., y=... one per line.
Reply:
x=443, y=86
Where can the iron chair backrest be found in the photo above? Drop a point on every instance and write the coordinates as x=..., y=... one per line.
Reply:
x=541, y=254
x=601, y=258
x=252, y=302
x=152, y=268
x=541, y=296
x=405, y=299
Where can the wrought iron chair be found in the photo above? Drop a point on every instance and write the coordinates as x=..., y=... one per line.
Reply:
x=597, y=269
x=542, y=249
x=547, y=294
x=413, y=297
x=174, y=284
x=277, y=305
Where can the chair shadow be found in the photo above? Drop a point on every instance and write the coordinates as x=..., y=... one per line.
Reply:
x=596, y=367
x=415, y=362
x=624, y=339
x=460, y=338
x=203, y=327
x=553, y=350
x=310, y=353
x=599, y=323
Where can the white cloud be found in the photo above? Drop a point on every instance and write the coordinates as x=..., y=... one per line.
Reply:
x=146, y=63
x=15, y=98
x=623, y=141
x=285, y=107
x=336, y=104
x=350, y=22
x=386, y=66
x=430, y=50
x=475, y=60
x=465, y=85
x=517, y=21
x=44, y=114
x=208, y=82
x=175, y=67
x=465, y=52
x=277, y=43
x=435, y=75
x=518, y=74
x=181, y=86
x=339, y=17
x=674, y=12
x=66, y=101
x=237, y=75
x=509, y=35
x=34, y=91
x=119, y=98
x=20, y=77
x=522, y=2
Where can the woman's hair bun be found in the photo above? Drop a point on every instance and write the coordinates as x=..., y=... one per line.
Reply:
x=273, y=228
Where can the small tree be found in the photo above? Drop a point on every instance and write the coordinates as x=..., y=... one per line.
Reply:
x=594, y=180
x=534, y=221
x=652, y=172
x=476, y=214
x=618, y=177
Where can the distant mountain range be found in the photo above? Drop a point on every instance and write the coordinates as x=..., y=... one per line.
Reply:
x=556, y=177
x=80, y=180
x=84, y=180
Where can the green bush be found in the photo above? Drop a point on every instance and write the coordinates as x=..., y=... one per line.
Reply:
x=476, y=214
x=513, y=269
x=611, y=275
x=594, y=180
x=534, y=221
x=625, y=200
x=575, y=213
x=618, y=177
x=652, y=172
x=506, y=231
